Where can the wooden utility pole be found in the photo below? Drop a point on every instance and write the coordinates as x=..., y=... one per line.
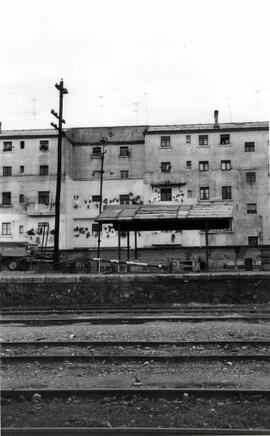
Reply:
x=104, y=142
x=62, y=91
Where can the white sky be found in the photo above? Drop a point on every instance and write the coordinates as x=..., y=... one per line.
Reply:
x=179, y=60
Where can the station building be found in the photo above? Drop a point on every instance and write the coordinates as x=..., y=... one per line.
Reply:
x=184, y=164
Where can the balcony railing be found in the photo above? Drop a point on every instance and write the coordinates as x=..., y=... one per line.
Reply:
x=36, y=209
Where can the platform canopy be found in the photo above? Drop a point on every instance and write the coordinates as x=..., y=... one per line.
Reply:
x=147, y=217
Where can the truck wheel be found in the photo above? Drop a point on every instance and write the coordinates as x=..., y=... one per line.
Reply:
x=12, y=265
x=23, y=265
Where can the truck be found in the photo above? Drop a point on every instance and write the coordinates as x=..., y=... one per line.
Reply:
x=15, y=255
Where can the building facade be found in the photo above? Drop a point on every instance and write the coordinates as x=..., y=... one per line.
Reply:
x=186, y=164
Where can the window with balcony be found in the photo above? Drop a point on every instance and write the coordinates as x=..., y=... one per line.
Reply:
x=188, y=164
x=124, y=174
x=226, y=192
x=22, y=145
x=43, y=170
x=166, y=194
x=6, y=229
x=22, y=169
x=7, y=171
x=253, y=241
x=165, y=141
x=203, y=139
x=124, y=152
x=204, y=193
x=44, y=197
x=249, y=147
x=188, y=139
x=96, y=198
x=44, y=145
x=252, y=208
x=21, y=198
x=165, y=167
x=124, y=199
x=226, y=165
x=225, y=139
x=6, y=198
x=204, y=165
x=7, y=146
x=251, y=177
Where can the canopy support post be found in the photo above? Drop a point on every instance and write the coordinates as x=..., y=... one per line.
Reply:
x=135, y=245
x=119, y=246
x=206, y=247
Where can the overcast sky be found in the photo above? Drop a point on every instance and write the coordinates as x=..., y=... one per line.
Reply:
x=133, y=61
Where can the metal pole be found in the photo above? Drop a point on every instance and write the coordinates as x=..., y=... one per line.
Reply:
x=119, y=246
x=128, y=245
x=136, y=251
x=100, y=198
x=206, y=246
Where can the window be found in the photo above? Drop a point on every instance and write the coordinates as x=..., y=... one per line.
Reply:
x=251, y=208
x=251, y=177
x=21, y=198
x=22, y=144
x=224, y=139
x=165, y=141
x=249, y=146
x=6, y=228
x=95, y=229
x=43, y=170
x=43, y=228
x=204, y=165
x=6, y=198
x=96, y=152
x=188, y=139
x=43, y=197
x=253, y=241
x=226, y=192
x=96, y=198
x=124, y=151
x=124, y=199
x=7, y=146
x=21, y=228
x=7, y=171
x=188, y=164
x=21, y=169
x=189, y=193
x=44, y=145
x=166, y=194
x=226, y=165
x=203, y=139
x=204, y=193
x=124, y=174
x=165, y=167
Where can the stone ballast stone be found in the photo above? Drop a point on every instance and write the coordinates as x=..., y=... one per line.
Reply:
x=132, y=289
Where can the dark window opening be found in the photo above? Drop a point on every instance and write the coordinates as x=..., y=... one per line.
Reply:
x=124, y=151
x=188, y=139
x=165, y=167
x=204, y=193
x=21, y=169
x=6, y=198
x=224, y=139
x=96, y=152
x=43, y=170
x=21, y=228
x=251, y=177
x=188, y=164
x=166, y=194
x=226, y=192
x=43, y=228
x=165, y=141
x=44, y=145
x=251, y=208
x=124, y=199
x=204, y=165
x=22, y=144
x=203, y=139
x=6, y=228
x=7, y=146
x=253, y=241
x=44, y=197
x=249, y=146
x=7, y=171
x=95, y=229
x=96, y=198
x=124, y=174
x=21, y=198
x=226, y=165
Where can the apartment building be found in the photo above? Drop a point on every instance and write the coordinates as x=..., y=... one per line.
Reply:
x=187, y=164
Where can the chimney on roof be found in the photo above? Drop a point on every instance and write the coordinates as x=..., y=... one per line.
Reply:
x=216, y=118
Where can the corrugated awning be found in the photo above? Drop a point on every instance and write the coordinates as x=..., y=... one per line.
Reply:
x=168, y=217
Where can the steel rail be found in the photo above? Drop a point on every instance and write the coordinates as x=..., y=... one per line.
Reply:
x=136, y=310
x=82, y=343
x=134, y=431
x=134, y=358
x=131, y=319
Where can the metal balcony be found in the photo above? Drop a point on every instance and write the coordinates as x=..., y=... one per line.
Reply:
x=36, y=209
